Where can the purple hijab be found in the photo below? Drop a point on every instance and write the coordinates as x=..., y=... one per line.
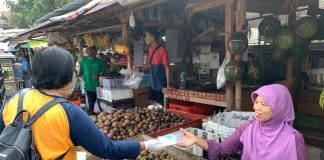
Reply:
x=274, y=139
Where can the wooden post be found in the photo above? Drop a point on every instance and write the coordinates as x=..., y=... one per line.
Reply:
x=240, y=21
x=291, y=22
x=229, y=16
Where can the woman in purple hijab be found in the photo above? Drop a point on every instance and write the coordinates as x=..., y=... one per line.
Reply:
x=270, y=136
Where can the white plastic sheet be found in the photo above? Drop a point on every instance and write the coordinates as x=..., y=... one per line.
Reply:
x=233, y=119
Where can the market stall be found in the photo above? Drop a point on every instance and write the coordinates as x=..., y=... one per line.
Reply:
x=214, y=66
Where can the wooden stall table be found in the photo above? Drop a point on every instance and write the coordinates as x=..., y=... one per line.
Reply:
x=141, y=97
x=214, y=99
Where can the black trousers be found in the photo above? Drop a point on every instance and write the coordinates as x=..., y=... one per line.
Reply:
x=156, y=96
x=91, y=100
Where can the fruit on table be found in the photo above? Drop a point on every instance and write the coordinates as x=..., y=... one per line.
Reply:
x=154, y=155
x=122, y=124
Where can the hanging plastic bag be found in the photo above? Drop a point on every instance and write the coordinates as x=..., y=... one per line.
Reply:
x=221, y=79
x=101, y=107
x=133, y=80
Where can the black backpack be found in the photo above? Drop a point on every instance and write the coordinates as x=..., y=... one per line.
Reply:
x=16, y=140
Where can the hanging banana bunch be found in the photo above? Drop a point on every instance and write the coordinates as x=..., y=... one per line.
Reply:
x=106, y=42
x=321, y=100
x=89, y=40
x=99, y=41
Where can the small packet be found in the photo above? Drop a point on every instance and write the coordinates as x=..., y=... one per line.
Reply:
x=171, y=139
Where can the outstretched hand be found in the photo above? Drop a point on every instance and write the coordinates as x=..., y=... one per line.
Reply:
x=188, y=139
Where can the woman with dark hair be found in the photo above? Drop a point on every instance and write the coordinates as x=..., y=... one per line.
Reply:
x=64, y=125
x=158, y=60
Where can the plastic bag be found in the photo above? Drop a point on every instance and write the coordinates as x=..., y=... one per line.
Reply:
x=156, y=106
x=221, y=79
x=233, y=119
x=223, y=131
x=134, y=80
x=101, y=107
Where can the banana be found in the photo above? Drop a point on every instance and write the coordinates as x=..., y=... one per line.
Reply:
x=321, y=100
x=89, y=40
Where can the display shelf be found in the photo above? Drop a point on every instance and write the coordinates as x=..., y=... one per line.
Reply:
x=215, y=99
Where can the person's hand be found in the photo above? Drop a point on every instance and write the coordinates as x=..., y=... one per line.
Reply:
x=170, y=87
x=188, y=139
x=153, y=144
x=100, y=80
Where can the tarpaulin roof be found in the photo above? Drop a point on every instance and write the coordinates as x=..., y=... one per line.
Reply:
x=68, y=16
x=74, y=14
x=101, y=5
x=65, y=9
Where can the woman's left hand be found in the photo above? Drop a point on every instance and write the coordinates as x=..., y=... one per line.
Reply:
x=188, y=139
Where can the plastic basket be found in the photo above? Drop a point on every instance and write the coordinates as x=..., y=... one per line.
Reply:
x=182, y=106
x=112, y=84
x=195, y=108
x=204, y=109
x=194, y=121
x=114, y=95
x=195, y=149
x=77, y=102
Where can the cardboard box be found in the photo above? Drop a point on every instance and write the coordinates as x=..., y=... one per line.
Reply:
x=202, y=65
x=205, y=48
x=214, y=56
x=214, y=65
x=204, y=58
x=203, y=71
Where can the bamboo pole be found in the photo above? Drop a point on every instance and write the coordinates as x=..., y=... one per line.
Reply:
x=291, y=22
x=229, y=20
x=240, y=21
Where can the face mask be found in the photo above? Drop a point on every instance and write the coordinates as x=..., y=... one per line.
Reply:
x=69, y=92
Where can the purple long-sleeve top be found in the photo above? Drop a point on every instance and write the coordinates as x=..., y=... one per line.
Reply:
x=232, y=145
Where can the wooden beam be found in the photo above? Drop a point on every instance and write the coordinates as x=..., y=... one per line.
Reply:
x=291, y=22
x=240, y=21
x=204, y=5
x=229, y=20
x=118, y=27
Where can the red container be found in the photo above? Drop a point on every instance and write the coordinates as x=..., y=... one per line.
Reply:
x=195, y=121
x=204, y=109
x=195, y=108
x=77, y=102
x=182, y=106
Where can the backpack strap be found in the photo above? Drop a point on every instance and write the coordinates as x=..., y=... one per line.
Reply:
x=21, y=102
x=46, y=107
x=151, y=58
